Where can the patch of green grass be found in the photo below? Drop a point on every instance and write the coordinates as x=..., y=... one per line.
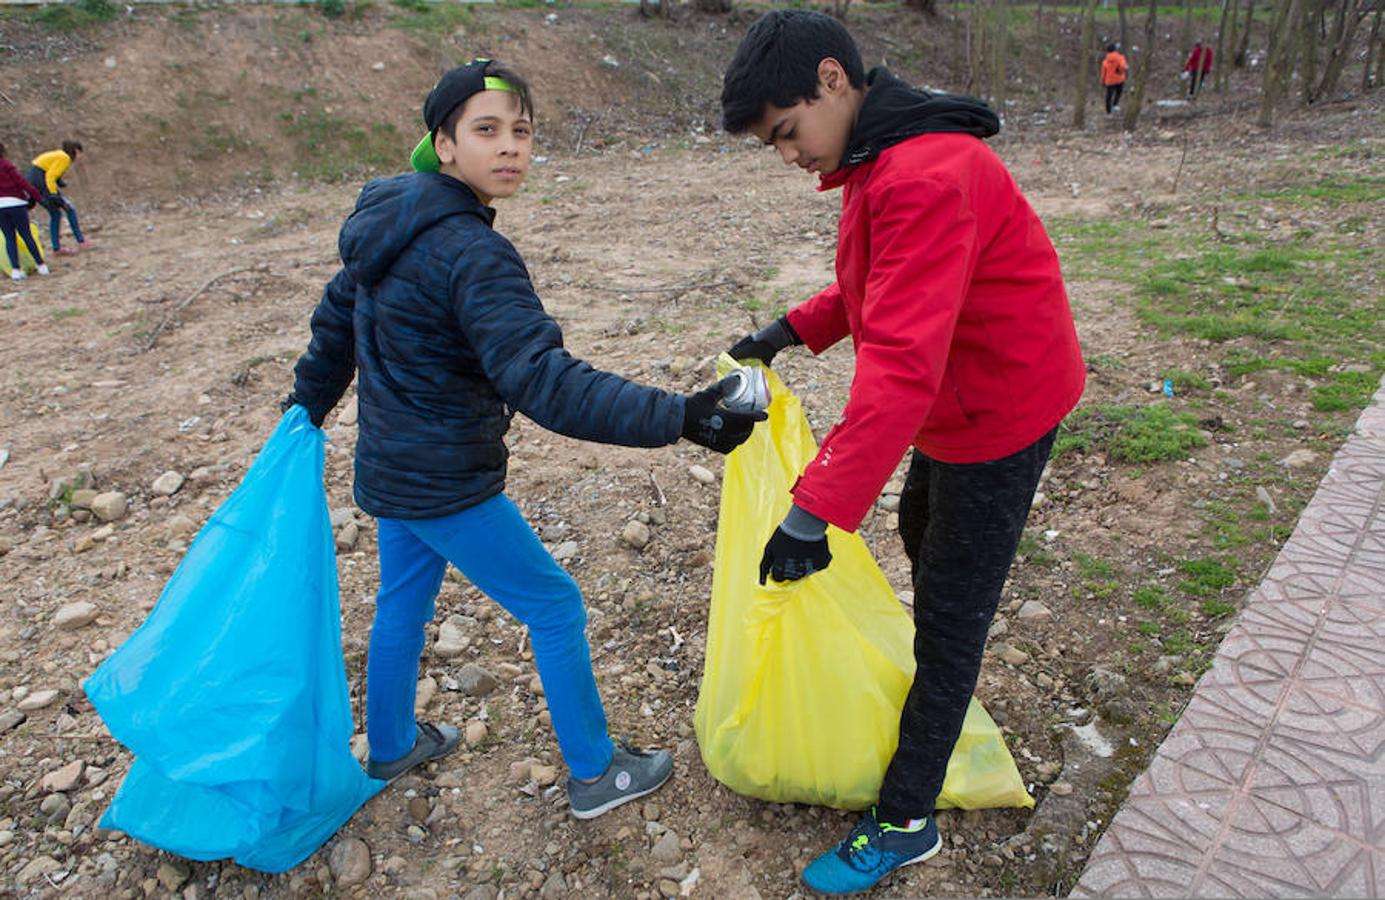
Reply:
x=1216, y=609
x=1132, y=434
x=68, y=312
x=1347, y=390
x=1206, y=577
x=1164, y=714
x=1180, y=643
x=1332, y=191
x=1185, y=382
x=1106, y=361
x=1091, y=567
x=73, y=16
x=1148, y=629
x=330, y=148
x=1224, y=522
x=1150, y=596
x=432, y=18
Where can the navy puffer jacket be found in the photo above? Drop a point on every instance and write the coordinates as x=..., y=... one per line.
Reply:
x=435, y=312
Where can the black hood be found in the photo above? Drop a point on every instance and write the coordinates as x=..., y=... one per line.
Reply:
x=893, y=111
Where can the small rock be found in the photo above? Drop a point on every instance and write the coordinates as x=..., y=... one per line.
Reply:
x=1034, y=611
x=565, y=551
x=668, y=887
x=168, y=483
x=349, y=861
x=1186, y=679
x=346, y=538
x=1061, y=788
x=636, y=534
x=180, y=526
x=351, y=410
x=72, y=616
x=427, y=687
x=651, y=812
x=110, y=506
x=340, y=516
x=519, y=771
x=1106, y=684
x=419, y=808
x=482, y=892
x=554, y=886
x=452, y=639
x=889, y=502
x=377, y=67
x=64, y=779
x=37, y=700
x=1299, y=459
x=1012, y=655
x=415, y=834
x=667, y=848
x=543, y=775
x=37, y=868
x=702, y=474
x=476, y=732
x=172, y=874
x=12, y=718
x=475, y=680
x=82, y=497
x=55, y=807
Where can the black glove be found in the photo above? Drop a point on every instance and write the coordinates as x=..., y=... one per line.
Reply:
x=788, y=558
x=53, y=203
x=766, y=342
x=716, y=427
x=291, y=401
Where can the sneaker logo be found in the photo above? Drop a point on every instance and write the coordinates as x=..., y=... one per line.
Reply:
x=623, y=781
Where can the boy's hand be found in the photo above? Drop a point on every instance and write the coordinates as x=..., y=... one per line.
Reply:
x=713, y=426
x=766, y=342
x=797, y=549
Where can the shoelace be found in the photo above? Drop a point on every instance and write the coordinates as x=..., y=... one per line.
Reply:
x=431, y=730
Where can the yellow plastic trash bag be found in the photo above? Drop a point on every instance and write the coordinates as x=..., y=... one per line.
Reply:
x=804, y=683
x=26, y=262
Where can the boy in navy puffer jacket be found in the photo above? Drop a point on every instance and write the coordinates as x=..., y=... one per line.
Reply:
x=435, y=314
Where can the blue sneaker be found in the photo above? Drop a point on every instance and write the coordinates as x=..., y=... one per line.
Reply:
x=871, y=851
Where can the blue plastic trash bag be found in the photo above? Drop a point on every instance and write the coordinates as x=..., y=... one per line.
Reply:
x=232, y=695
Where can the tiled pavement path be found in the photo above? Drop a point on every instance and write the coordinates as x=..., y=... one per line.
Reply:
x=1272, y=783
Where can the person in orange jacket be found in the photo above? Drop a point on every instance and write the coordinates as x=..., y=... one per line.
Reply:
x=1199, y=64
x=1113, y=69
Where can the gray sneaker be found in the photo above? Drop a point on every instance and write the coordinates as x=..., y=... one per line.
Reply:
x=431, y=742
x=631, y=774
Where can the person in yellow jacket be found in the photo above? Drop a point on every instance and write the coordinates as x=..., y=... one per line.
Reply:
x=45, y=173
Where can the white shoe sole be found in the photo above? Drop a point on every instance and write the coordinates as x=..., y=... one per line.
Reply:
x=612, y=804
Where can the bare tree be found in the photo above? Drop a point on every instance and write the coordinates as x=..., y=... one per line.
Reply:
x=1307, y=50
x=927, y=7
x=1187, y=24
x=1084, y=66
x=1350, y=14
x=1228, y=16
x=712, y=6
x=1125, y=28
x=1244, y=47
x=1142, y=69
x=1373, y=50
x=1000, y=49
x=1279, y=58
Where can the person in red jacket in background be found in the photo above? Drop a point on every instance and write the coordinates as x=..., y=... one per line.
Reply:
x=950, y=290
x=1113, y=69
x=1198, y=66
x=17, y=197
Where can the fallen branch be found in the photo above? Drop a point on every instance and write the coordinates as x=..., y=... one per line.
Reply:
x=671, y=289
x=1181, y=158
x=6, y=98
x=659, y=497
x=168, y=319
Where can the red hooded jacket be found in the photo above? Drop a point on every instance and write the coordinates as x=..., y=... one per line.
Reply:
x=951, y=292
x=13, y=184
x=1201, y=56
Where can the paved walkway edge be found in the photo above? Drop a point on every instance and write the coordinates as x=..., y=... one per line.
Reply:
x=1272, y=783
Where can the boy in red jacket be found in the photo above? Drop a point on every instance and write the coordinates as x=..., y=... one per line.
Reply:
x=950, y=290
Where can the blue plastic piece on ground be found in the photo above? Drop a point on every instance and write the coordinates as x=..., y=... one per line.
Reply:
x=232, y=695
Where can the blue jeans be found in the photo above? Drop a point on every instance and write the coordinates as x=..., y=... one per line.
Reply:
x=497, y=551
x=55, y=218
x=14, y=222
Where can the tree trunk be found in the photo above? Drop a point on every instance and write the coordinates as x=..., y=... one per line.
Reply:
x=1308, y=49
x=1228, y=15
x=1278, y=58
x=1142, y=68
x=1000, y=33
x=1339, y=49
x=1084, y=73
x=1187, y=24
x=1372, y=49
x=976, y=45
x=1244, y=47
x=1125, y=28
x=928, y=7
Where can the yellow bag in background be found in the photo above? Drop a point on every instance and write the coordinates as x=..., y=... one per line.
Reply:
x=27, y=263
x=803, y=683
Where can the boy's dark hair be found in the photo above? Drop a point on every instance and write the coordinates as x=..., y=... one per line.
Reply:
x=777, y=64
x=1110, y=48
x=493, y=70
x=72, y=148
